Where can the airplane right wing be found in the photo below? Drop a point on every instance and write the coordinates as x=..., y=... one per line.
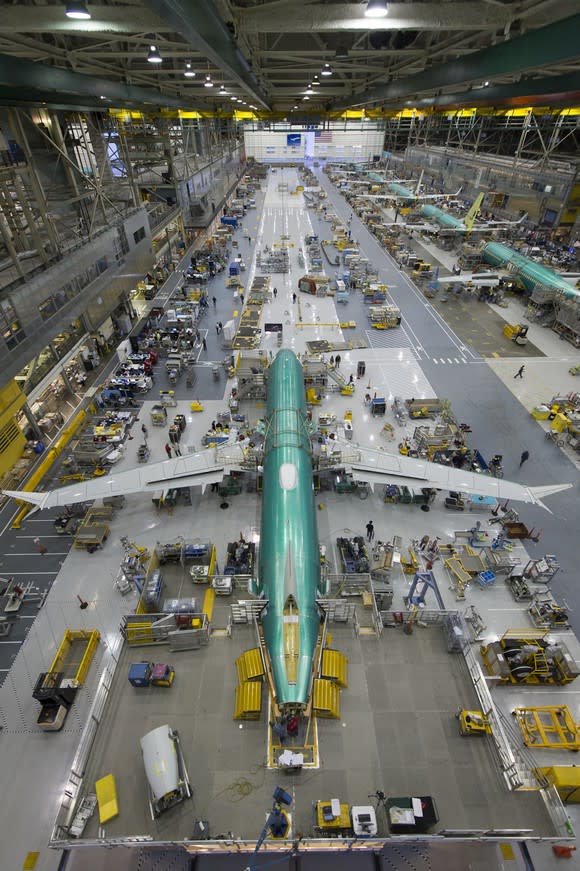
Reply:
x=199, y=469
x=381, y=467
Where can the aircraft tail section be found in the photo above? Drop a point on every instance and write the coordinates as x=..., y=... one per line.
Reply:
x=474, y=211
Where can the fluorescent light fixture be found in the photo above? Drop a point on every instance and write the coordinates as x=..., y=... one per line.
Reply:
x=326, y=70
x=154, y=57
x=188, y=72
x=376, y=9
x=208, y=82
x=77, y=10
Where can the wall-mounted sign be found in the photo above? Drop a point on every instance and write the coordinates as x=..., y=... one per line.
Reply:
x=272, y=328
x=293, y=139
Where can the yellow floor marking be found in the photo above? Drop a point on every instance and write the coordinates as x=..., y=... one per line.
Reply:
x=507, y=851
x=30, y=861
x=495, y=354
x=235, y=314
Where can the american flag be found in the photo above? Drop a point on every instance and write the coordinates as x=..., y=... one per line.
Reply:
x=323, y=135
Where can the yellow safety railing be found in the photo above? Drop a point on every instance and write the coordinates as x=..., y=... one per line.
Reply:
x=51, y=455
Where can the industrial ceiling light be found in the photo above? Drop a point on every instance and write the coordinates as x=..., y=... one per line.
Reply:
x=77, y=9
x=341, y=52
x=376, y=9
x=223, y=91
x=234, y=99
x=326, y=70
x=239, y=100
x=188, y=72
x=208, y=82
x=154, y=57
x=308, y=91
x=305, y=98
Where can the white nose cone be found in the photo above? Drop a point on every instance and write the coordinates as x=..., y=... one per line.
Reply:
x=288, y=476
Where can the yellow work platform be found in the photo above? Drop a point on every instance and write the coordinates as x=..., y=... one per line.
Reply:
x=326, y=699
x=250, y=666
x=549, y=726
x=248, y=701
x=334, y=667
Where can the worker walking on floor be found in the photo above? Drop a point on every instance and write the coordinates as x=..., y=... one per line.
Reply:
x=337, y=361
x=40, y=547
x=275, y=292
x=370, y=530
x=168, y=450
x=525, y=456
x=144, y=431
x=520, y=372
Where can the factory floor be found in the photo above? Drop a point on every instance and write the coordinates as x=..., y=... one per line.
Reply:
x=397, y=732
x=425, y=358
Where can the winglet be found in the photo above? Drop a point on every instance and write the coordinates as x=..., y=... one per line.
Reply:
x=39, y=499
x=540, y=493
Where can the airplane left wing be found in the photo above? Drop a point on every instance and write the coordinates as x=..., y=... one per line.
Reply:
x=199, y=469
x=380, y=467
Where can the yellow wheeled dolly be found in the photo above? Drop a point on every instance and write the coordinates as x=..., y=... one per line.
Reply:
x=473, y=722
x=552, y=726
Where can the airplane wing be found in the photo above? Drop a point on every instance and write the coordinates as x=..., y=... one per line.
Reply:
x=484, y=228
x=429, y=228
x=380, y=467
x=411, y=197
x=202, y=468
x=491, y=279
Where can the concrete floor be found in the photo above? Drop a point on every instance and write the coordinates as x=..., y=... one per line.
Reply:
x=397, y=732
x=425, y=358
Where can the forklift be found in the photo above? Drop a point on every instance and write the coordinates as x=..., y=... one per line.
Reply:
x=517, y=333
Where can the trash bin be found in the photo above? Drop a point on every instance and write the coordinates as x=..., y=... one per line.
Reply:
x=361, y=369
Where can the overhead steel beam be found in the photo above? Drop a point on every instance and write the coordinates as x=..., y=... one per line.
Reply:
x=556, y=43
x=105, y=19
x=37, y=81
x=285, y=17
x=545, y=91
x=200, y=24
